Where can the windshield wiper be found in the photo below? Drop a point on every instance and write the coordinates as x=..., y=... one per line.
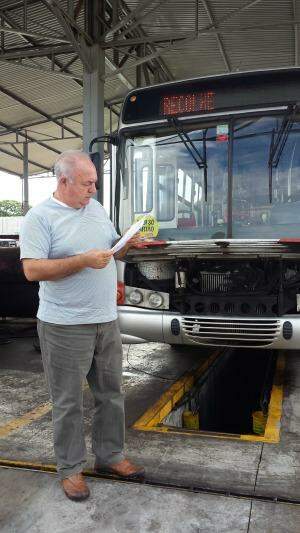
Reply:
x=278, y=143
x=200, y=160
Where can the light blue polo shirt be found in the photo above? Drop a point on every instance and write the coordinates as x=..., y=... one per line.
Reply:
x=53, y=230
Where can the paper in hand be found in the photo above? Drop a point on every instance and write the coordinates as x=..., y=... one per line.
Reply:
x=129, y=233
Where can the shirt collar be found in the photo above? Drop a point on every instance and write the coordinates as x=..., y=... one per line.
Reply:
x=60, y=203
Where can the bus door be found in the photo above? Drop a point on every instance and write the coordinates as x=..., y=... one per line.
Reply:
x=154, y=183
x=166, y=187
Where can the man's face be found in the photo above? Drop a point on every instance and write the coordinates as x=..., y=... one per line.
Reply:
x=79, y=191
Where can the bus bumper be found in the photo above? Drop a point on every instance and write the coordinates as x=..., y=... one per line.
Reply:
x=139, y=325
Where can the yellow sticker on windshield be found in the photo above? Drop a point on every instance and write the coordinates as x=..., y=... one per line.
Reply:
x=150, y=227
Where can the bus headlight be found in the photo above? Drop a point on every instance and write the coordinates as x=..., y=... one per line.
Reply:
x=135, y=297
x=149, y=299
x=155, y=299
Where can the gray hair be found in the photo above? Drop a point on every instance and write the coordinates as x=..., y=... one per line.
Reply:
x=66, y=163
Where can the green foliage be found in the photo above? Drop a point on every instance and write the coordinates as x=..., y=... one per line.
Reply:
x=10, y=208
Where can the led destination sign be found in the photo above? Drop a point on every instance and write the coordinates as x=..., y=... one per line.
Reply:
x=181, y=104
x=212, y=94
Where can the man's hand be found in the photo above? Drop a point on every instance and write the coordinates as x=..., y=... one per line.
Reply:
x=136, y=239
x=97, y=258
x=54, y=269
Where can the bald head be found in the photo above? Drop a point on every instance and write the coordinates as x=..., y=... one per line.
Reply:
x=76, y=178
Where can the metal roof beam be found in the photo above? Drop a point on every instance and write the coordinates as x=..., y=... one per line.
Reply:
x=36, y=51
x=136, y=20
x=296, y=16
x=69, y=114
x=19, y=132
x=121, y=77
x=175, y=38
x=19, y=4
x=71, y=22
x=25, y=33
x=138, y=62
x=78, y=8
x=3, y=169
x=43, y=137
x=54, y=61
x=114, y=17
x=52, y=58
x=20, y=157
x=64, y=68
x=37, y=110
x=158, y=60
x=189, y=39
x=136, y=33
x=135, y=41
x=74, y=77
x=95, y=20
x=219, y=40
x=68, y=24
x=128, y=18
x=70, y=7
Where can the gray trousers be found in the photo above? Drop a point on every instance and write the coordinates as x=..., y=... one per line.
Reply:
x=70, y=355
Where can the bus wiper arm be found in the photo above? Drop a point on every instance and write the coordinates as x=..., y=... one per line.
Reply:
x=278, y=144
x=200, y=160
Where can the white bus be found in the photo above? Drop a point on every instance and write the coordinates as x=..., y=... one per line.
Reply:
x=216, y=162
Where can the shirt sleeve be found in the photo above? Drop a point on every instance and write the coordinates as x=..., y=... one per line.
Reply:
x=35, y=242
x=114, y=235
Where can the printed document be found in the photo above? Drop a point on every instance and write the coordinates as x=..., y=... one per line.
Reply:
x=129, y=233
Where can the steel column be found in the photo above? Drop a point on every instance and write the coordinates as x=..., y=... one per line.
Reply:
x=93, y=86
x=93, y=106
x=139, y=81
x=25, y=204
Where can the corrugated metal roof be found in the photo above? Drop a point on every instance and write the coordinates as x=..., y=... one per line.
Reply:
x=230, y=37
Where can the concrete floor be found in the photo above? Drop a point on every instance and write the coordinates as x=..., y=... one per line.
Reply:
x=33, y=501
x=39, y=506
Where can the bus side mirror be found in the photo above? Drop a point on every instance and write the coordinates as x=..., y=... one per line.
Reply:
x=96, y=160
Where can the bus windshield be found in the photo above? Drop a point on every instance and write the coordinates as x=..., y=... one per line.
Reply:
x=182, y=178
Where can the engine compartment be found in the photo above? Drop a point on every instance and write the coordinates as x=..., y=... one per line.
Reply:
x=240, y=287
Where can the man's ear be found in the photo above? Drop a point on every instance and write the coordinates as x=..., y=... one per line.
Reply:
x=63, y=180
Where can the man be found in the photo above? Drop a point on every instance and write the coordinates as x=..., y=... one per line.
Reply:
x=65, y=245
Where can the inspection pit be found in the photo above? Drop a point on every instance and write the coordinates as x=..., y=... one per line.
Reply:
x=235, y=394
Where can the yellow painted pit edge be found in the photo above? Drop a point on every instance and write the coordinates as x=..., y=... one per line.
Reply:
x=154, y=415
x=272, y=430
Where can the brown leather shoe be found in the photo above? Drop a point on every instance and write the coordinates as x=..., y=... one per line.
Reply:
x=124, y=469
x=76, y=488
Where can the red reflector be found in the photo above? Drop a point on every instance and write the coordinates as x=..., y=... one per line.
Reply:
x=222, y=138
x=120, y=293
x=290, y=240
x=149, y=244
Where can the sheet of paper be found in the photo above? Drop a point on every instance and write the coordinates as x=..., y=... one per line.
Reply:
x=129, y=233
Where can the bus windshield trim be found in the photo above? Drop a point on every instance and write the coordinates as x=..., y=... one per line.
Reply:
x=138, y=126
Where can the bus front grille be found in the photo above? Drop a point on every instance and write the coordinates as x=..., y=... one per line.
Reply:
x=234, y=332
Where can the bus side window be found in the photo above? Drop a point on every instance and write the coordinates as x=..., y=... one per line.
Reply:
x=165, y=192
x=143, y=179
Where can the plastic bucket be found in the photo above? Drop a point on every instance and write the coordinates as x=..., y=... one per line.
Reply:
x=190, y=420
x=259, y=420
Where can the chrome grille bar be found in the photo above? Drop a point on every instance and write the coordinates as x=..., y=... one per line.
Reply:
x=242, y=332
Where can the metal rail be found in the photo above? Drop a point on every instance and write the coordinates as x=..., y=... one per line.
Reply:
x=196, y=489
